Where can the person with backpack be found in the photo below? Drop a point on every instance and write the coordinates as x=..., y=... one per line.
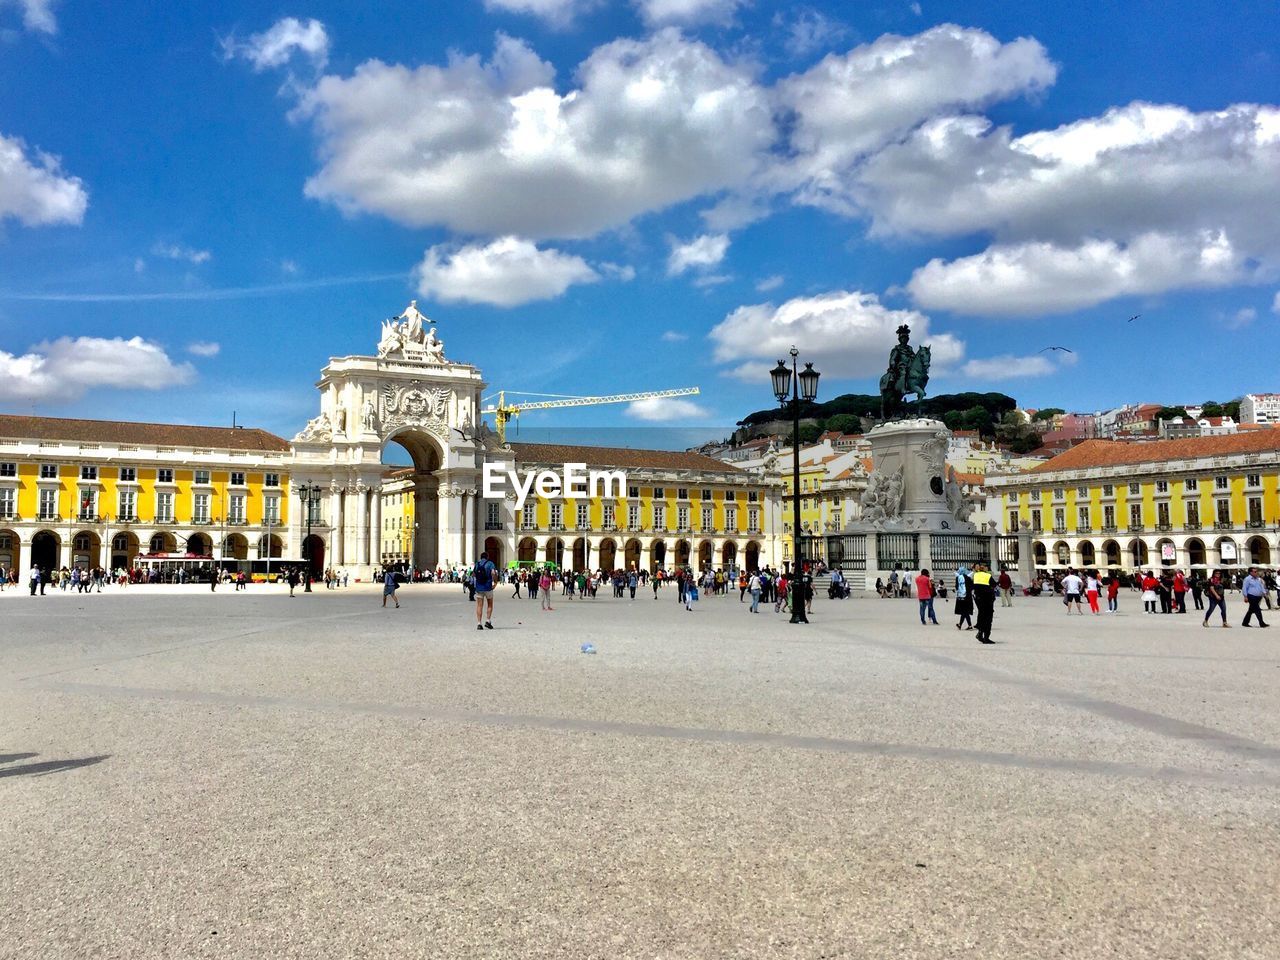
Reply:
x=482, y=582
x=389, y=588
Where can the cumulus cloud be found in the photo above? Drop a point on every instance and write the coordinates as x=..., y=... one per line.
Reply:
x=809, y=31
x=505, y=273
x=1031, y=279
x=770, y=283
x=37, y=15
x=1008, y=368
x=1275, y=304
x=62, y=370
x=204, y=348
x=687, y=13
x=699, y=253
x=674, y=336
x=558, y=13
x=848, y=333
x=33, y=188
x=665, y=408
x=278, y=45
x=176, y=251
x=491, y=148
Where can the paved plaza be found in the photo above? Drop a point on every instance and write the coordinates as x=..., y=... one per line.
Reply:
x=248, y=775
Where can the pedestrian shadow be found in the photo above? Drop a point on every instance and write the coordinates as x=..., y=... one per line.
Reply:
x=45, y=766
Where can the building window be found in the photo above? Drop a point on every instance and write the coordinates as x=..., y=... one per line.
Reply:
x=633, y=492
x=88, y=503
x=557, y=516
x=1109, y=516
x=528, y=517
x=1224, y=511
x=658, y=493
x=128, y=506
x=81, y=542
x=271, y=479
x=1135, y=515
x=88, y=472
x=202, y=476
x=1191, y=484
x=609, y=519
x=1220, y=483
x=48, y=504
x=659, y=516
x=1036, y=521
x=237, y=479
x=682, y=518
x=8, y=469
x=164, y=508
x=492, y=517
x=1059, y=493
x=1134, y=490
x=128, y=474
x=7, y=500
x=731, y=494
x=1162, y=486
x=708, y=518
x=753, y=521
x=835, y=521
x=753, y=496
x=1059, y=519
x=682, y=493
x=235, y=508
x=48, y=471
x=1082, y=518
x=1255, y=511
x=1082, y=491
x=200, y=513
x=164, y=475
x=730, y=519
x=633, y=517
x=1108, y=490
x=706, y=493
x=271, y=509
x=1013, y=521
x=1162, y=515
x=804, y=485
x=583, y=520
x=1253, y=480
x=1193, y=514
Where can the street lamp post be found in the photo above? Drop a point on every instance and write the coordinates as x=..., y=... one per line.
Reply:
x=790, y=386
x=309, y=496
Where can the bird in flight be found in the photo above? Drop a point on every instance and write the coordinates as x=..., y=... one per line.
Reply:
x=1064, y=349
x=1134, y=317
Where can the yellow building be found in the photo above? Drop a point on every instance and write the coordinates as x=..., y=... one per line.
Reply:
x=398, y=516
x=1196, y=502
x=94, y=493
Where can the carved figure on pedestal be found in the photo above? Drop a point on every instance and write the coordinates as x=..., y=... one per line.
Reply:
x=370, y=420
x=317, y=428
x=908, y=373
x=408, y=336
x=882, y=500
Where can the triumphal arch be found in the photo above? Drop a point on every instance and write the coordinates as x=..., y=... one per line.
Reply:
x=408, y=393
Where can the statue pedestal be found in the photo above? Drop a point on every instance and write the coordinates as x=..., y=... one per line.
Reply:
x=915, y=452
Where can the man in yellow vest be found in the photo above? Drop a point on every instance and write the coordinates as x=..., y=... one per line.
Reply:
x=984, y=599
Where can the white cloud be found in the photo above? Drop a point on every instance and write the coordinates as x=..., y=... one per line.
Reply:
x=204, y=348
x=1008, y=368
x=492, y=149
x=845, y=334
x=507, y=272
x=687, y=12
x=711, y=280
x=558, y=13
x=1275, y=304
x=673, y=336
x=1241, y=318
x=809, y=32
x=276, y=46
x=62, y=370
x=916, y=9
x=33, y=188
x=289, y=267
x=770, y=283
x=139, y=265
x=701, y=252
x=176, y=251
x=37, y=15
x=1031, y=279
x=665, y=408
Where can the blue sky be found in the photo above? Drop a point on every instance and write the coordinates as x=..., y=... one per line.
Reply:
x=200, y=203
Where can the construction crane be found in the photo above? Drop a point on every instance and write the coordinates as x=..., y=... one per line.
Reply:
x=503, y=411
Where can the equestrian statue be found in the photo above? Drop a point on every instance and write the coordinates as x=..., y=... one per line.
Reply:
x=908, y=373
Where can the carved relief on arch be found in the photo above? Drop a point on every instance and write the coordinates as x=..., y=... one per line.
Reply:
x=418, y=405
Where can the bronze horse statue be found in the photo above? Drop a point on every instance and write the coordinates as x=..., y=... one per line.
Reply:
x=908, y=373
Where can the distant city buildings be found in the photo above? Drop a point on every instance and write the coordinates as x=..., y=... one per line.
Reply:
x=1260, y=408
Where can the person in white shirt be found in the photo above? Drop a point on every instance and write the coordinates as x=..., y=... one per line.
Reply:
x=1072, y=587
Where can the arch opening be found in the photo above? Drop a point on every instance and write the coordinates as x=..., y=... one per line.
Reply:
x=410, y=496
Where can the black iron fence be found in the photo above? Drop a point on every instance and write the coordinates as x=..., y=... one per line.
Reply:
x=1008, y=553
x=813, y=548
x=847, y=551
x=898, y=550
x=948, y=550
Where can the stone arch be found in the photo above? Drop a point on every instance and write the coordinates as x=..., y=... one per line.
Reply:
x=1088, y=555
x=706, y=554
x=493, y=549
x=1040, y=554
x=1160, y=552
x=753, y=555
x=729, y=554
x=580, y=553
x=162, y=542
x=270, y=546
x=1111, y=553
x=9, y=543
x=1062, y=554
x=608, y=555
x=200, y=545
x=313, y=554
x=1196, y=555
x=235, y=547
x=683, y=548
x=45, y=549
x=86, y=549
x=428, y=454
x=124, y=550
x=527, y=550
x=631, y=554
x=555, y=552
x=1228, y=552
x=1259, y=551
x=1138, y=554
x=658, y=555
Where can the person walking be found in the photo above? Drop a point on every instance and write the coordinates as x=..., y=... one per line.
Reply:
x=389, y=588
x=1197, y=590
x=544, y=589
x=753, y=588
x=483, y=577
x=292, y=579
x=1254, y=589
x=1005, y=584
x=515, y=582
x=1179, y=592
x=1216, y=591
x=1113, y=593
x=964, y=598
x=984, y=600
x=35, y=580
x=1149, y=594
x=1091, y=590
x=1072, y=588
x=924, y=593
x=633, y=581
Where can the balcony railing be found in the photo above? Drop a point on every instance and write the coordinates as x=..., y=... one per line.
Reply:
x=1164, y=527
x=1193, y=524
x=1060, y=530
x=1110, y=528
x=1256, y=524
x=1135, y=528
x=1223, y=525
x=493, y=525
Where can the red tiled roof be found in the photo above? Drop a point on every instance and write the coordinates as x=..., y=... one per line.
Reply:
x=1108, y=453
x=140, y=434
x=620, y=457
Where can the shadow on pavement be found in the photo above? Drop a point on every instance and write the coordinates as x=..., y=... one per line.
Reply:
x=47, y=766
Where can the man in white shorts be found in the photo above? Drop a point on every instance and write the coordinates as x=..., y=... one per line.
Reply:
x=1072, y=588
x=484, y=577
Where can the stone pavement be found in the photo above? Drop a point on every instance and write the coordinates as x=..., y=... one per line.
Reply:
x=248, y=775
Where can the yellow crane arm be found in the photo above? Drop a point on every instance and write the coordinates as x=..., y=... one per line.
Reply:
x=503, y=411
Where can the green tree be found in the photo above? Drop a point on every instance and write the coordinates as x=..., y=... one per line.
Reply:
x=1212, y=409
x=1048, y=413
x=844, y=423
x=1232, y=410
x=1171, y=413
